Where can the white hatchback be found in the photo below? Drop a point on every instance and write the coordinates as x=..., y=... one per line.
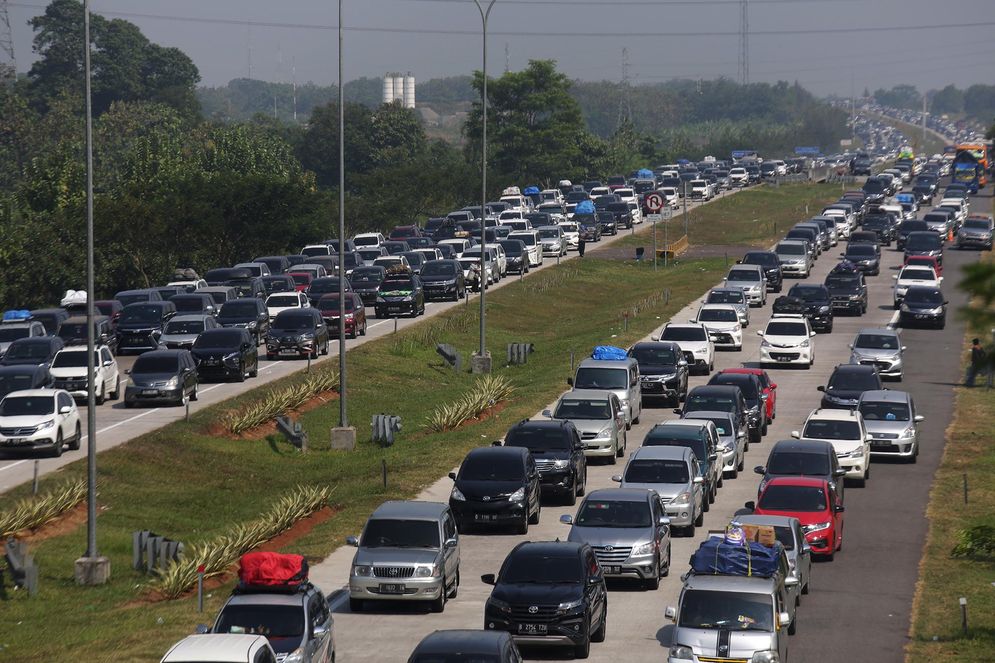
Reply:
x=282, y=301
x=39, y=419
x=787, y=340
x=69, y=372
x=845, y=430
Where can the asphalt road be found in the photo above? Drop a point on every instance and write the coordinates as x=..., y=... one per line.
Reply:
x=117, y=424
x=860, y=603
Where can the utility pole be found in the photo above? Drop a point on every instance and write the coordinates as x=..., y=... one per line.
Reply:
x=507, y=58
x=922, y=146
x=744, y=42
x=8, y=64
x=625, y=98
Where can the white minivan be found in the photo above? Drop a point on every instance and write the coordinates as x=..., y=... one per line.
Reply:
x=533, y=245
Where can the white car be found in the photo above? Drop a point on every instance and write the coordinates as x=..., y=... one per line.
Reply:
x=626, y=194
x=702, y=189
x=550, y=196
x=787, y=340
x=959, y=206
x=636, y=211
x=192, y=285
x=510, y=215
x=282, y=301
x=845, y=430
x=69, y=372
x=723, y=325
x=429, y=254
x=459, y=245
x=221, y=648
x=368, y=240
x=254, y=268
x=752, y=280
x=317, y=250
x=517, y=224
x=36, y=419
x=516, y=202
x=695, y=343
x=571, y=233
x=782, y=168
x=533, y=245
x=738, y=177
x=387, y=262
x=914, y=275
x=671, y=196
x=600, y=191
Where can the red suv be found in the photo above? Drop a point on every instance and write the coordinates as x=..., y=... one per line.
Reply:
x=769, y=388
x=813, y=502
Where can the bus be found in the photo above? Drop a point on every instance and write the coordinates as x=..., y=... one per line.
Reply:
x=971, y=164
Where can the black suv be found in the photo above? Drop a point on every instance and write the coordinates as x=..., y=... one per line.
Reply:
x=817, y=305
x=558, y=453
x=466, y=645
x=847, y=383
x=443, y=279
x=366, y=282
x=798, y=458
x=224, y=353
x=400, y=293
x=623, y=215
x=906, y=227
x=848, y=291
x=927, y=243
x=34, y=350
x=549, y=593
x=663, y=370
x=880, y=225
x=496, y=485
x=607, y=222
x=753, y=394
x=297, y=332
x=140, y=325
x=866, y=256
x=325, y=285
x=772, y=267
x=719, y=398
x=246, y=313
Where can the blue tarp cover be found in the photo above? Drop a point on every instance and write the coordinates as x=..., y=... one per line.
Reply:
x=584, y=207
x=645, y=174
x=715, y=556
x=530, y=191
x=609, y=352
x=16, y=315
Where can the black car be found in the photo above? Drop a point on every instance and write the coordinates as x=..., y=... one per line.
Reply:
x=622, y=213
x=881, y=225
x=297, y=333
x=162, y=376
x=222, y=275
x=905, y=228
x=817, y=305
x=866, y=256
x=134, y=296
x=514, y=252
x=606, y=220
x=558, y=452
x=247, y=313
x=396, y=247
x=194, y=303
x=860, y=165
x=141, y=324
x=466, y=645
x=926, y=243
x=875, y=188
x=443, y=279
x=924, y=188
x=400, y=294
x=248, y=286
x=549, y=593
x=588, y=227
x=923, y=305
x=73, y=331
x=771, y=265
x=111, y=308
x=277, y=264
x=496, y=486
x=718, y=398
x=802, y=458
x=325, y=285
x=366, y=282
x=847, y=291
x=225, y=353
x=753, y=394
x=663, y=370
x=167, y=292
x=24, y=376
x=847, y=383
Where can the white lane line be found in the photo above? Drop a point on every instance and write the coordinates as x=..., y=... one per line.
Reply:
x=13, y=465
x=894, y=320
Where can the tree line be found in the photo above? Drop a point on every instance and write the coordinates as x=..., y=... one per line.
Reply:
x=977, y=101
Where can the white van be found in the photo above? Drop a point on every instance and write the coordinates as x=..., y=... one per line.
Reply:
x=459, y=245
x=533, y=245
x=368, y=240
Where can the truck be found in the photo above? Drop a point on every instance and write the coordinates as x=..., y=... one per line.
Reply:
x=971, y=164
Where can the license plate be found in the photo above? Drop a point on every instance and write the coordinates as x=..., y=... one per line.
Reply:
x=613, y=569
x=652, y=386
x=532, y=629
x=14, y=440
x=391, y=588
x=921, y=316
x=288, y=351
x=150, y=392
x=484, y=517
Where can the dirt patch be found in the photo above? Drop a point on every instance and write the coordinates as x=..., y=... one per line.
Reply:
x=485, y=415
x=269, y=428
x=66, y=523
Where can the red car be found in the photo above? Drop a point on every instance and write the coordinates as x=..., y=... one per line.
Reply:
x=926, y=261
x=770, y=388
x=302, y=280
x=355, y=314
x=813, y=502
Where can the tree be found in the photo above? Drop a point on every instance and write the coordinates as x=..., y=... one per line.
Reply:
x=979, y=101
x=948, y=100
x=320, y=150
x=900, y=96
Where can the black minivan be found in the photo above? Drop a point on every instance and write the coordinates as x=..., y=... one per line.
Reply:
x=224, y=353
x=496, y=486
x=558, y=452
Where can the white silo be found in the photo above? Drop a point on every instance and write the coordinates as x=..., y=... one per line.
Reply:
x=388, y=88
x=398, y=88
x=409, y=91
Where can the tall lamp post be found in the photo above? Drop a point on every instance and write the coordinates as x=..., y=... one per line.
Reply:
x=481, y=362
x=92, y=568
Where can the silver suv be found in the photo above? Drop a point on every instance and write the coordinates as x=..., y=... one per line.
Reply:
x=890, y=419
x=628, y=531
x=598, y=417
x=673, y=473
x=409, y=551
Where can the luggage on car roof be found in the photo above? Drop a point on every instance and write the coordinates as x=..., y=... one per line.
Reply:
x=788, y=304
x=270, y=571
x=609, y=352
x=717, y=557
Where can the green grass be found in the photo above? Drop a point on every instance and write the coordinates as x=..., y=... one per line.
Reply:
x=183, y=482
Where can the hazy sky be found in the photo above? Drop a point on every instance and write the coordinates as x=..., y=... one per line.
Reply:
x=790, y=39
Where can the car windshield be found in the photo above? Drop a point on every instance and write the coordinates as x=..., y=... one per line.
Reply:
x=528, y=239
x=140, y=314
x=614, y=513
x=582, y=408
x=293, y=322
x=786, y=329
x=331, y=303
x=698, y=401
x=218, y=339
x=72, y=330
x=9, y=334
x=569, y=227
x=184, y=327
x=652, y=470
x=684, y=334
x=743, y=275
x=28, y=350
x=843, y=280
x=976, y=224
x=15, y=382
x=861, y=250
x=602, y=378
x=301, y=278
x=367, y=275
x=239, y=310
x=917, y=274
x=492, y=467
x=266, y=619
x=281, y=301
x=189, y=305
x=717, y=315
x=455, y=657
x=649, y=355
x=26, y=406
x=793, y=498
x=734, y=611
x=923, y=241
x=133, y=298
x=400, y=533
x=324, y=285
x=543, y=569
x=538, y=440
x=396, y=284
x=924, y=296
x=854, y=381
x=786, y=462
x=74, y=359
x=832, y=429
x=549, y=233
x=808, y=293
x=874, y=186
x=876, y=342
x=439, y=269
x=149, y=364
x=726, y=297
x=722, y=424
x=370, y=254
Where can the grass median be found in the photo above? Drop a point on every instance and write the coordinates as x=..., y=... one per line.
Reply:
x=191, y=483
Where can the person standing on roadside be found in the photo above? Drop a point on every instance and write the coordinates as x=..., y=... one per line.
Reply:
x=580, y=245
x=978, y=357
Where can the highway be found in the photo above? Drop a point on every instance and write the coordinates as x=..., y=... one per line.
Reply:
x=860, y=603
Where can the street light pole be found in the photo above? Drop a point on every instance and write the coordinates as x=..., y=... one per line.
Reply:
x=343, y=415
x=482, y=365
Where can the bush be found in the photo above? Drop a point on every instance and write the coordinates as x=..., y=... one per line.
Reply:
x=977, y=541
x=486, y=393
x=279, y=402
x=33, y=512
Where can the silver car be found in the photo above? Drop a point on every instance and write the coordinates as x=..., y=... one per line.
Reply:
x=752, y=280
x=789, y=532
x=598, y=417
x=409, y=551
x=628, y=531
x=794, y=257
x=732, y=440
x=182, y=330
x=553, y=242
x=673, y=473
x=735, y=298
x=976, y=231
x=880, y=347
x=891, y=420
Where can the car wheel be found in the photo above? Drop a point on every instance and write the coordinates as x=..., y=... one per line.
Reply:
x=57, y=450
x=77, y=439
x=356, y=605
x=117, y=389
x=805, y=588
x=193, y=394
x=255, y=370
x=534, y=519
x=455, y=590
x=571, y=495
x=915, y=455
x=241, y=373
x=700, y=520
x=666, y=569
x=689, y=530
x=763, y=429
x=363, y=331
x=791, y=627
x=270, y=356
x=100, y=398
x=583, y=648
x=523, y=525
x=324, y=349
x=742, y=463
x=583, y=486
x=439, y=604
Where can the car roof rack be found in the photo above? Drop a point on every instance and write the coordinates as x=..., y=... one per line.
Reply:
x=300, y=588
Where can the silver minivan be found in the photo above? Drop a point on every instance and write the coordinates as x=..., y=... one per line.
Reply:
x=409, y=551
x=597, y=414
x=890, y=419
x=673, y=473
x=619, y=376
x=628, y=531
x=789, y=533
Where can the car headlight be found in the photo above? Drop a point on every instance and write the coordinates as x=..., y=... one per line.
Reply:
x=825, y=309
x=935, y=311
x=682, y=652
x=854, y=298
x=643, y=549
x=253, y=324
x=815, y=527
x=570, y=606
x=499, y=605
x=701, y=351
x=458, y=495
x=668, y=377
x=304, y=337
x=729, y=445
x=234, y=356
x=362, y=571
x=682, y=499
x=173, y=382
x=765, y=343
x=46, y=424
x=605, y=432
x=905, y=308
x=768, y=656
x=427, y=571
x=518, y=495
x=296, y=656
x=561, y=464
x=380, y=300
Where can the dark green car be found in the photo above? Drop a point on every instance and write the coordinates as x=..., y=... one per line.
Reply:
x=400, y=294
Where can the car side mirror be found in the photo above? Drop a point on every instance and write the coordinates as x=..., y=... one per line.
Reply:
x=751, y=505
x=839, y=508
x=806, y=549
x=894, y=277
x=760, y=469
x=677, y=410
x=450, y=544
x=692, y=320
x=319, y=630
x=488, y=579
x=203, y=628
x=795, y=434
x=790, y=582
x=617, y=478
x=127, y=371
x=784, y=619
x=698, y=480
x=570, y=382
x=65, y=409
x=904, y=348
x=939, y=279
x=654, y=338
x=352, y=541
x=547, y=413
x=760, y=332
x=452, y=475
x=820, y=388
x=868, y=437
x=108, y=362
x=712, y=456
x=839, y=473
x=918, y=418
x=567, y=519
x=670, y=613
x=811, y=333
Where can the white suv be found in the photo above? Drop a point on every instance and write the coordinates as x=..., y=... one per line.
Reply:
x=845, y=430
x=69, y=372
x=723, y=325
x=39, y=419
x=695, y=343
x=533, y=245
x=787, y=341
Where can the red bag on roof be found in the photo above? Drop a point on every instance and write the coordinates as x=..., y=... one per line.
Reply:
x=272, y=570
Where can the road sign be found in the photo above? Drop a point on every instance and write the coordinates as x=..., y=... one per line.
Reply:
x=654, y=202
x=845, y=142
x=653, y=218
x=807, y=150
x=666, y=213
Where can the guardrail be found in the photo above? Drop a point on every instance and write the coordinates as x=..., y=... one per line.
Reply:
x=22, y=567
x=674, y=249
x=150, y=551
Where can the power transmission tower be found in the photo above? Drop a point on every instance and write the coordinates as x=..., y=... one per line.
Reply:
x=8, y=65
x=625, y=98
x=507, y=58
x=744, y=42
